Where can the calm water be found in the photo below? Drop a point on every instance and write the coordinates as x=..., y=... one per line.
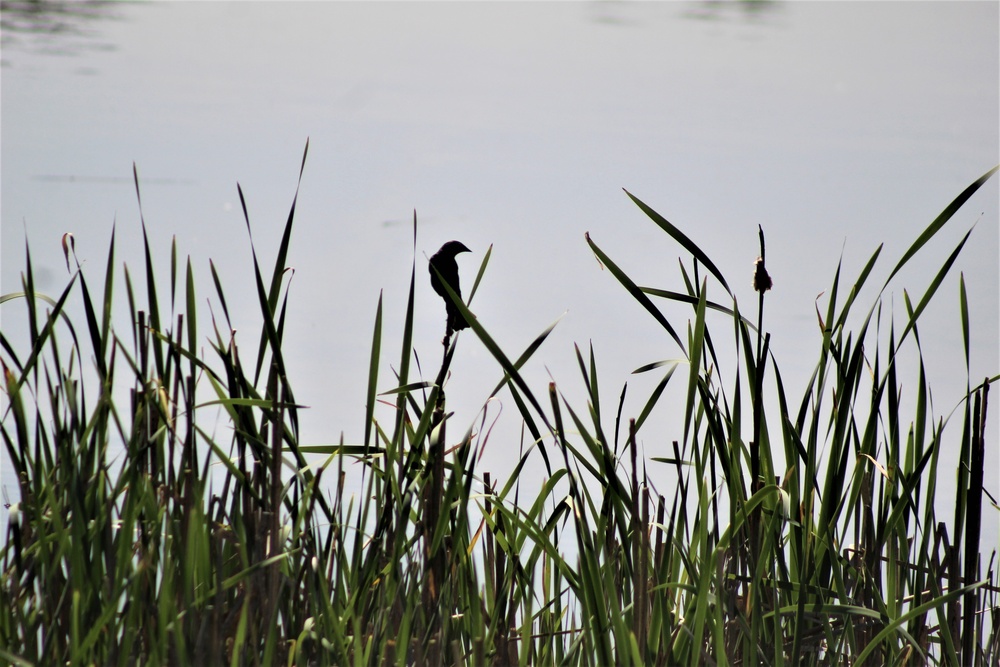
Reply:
x=834, y=126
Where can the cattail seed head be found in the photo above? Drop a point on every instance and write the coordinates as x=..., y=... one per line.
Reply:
x=761, y=280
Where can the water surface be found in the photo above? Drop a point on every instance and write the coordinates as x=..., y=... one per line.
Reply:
x=835, y=126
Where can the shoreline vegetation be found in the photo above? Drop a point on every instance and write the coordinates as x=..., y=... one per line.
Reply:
x=147, y=533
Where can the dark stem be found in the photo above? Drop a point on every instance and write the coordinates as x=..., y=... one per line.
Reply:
x=758, y=375
x=435, y=558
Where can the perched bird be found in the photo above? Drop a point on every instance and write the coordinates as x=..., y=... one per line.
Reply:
x=444, y=261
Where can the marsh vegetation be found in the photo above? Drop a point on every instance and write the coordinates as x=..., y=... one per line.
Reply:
x=147, y=533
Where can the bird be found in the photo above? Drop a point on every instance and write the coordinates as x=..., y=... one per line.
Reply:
x=444, y=261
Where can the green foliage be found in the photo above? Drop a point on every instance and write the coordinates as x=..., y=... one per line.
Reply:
x=142, y=538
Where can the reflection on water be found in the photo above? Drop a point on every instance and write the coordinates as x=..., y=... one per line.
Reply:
x=58, y=27
x=745, y=10
x=615, y=13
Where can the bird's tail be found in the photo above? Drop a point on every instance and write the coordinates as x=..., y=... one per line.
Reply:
x=456, y=321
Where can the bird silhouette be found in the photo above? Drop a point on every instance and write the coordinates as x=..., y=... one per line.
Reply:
x=444, y=261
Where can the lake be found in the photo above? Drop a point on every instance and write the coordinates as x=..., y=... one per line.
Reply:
x=834, y=126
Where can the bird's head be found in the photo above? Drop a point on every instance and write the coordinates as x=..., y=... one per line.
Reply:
x=452, y=248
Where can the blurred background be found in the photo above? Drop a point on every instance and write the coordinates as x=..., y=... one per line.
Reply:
x=835, y=126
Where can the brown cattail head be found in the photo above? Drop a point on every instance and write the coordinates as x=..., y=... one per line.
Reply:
x=761, y=281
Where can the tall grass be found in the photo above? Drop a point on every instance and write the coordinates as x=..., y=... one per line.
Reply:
x=141, y=537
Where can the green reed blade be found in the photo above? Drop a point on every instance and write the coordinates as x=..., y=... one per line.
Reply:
x=635, y=291
x=682, y=239
x=373, y=373
x=940, y=221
